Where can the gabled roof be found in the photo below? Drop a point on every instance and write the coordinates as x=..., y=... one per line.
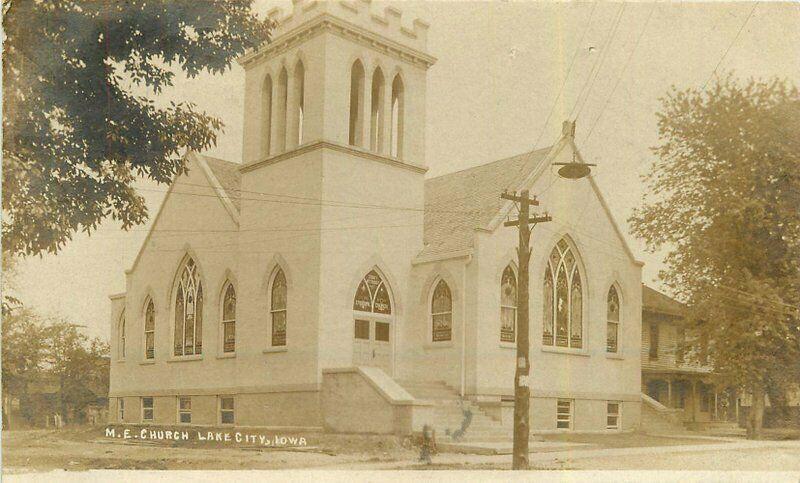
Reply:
x=224, y=178
x=458, y=203
x=228, y=175
x=655, y=301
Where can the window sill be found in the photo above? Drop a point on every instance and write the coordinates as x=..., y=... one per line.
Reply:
x=508, y=345
x=186, y=358
x=226, y=355
x=438, y=345
x=147, y=362
x=566, y=351
x=280, y=348
x=614, y=355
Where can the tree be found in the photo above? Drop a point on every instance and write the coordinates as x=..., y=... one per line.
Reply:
x=23, y=354
x=74, y=137
x=723, y=200
x=78, y=364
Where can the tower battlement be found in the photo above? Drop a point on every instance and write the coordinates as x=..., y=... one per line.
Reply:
x=360, y=13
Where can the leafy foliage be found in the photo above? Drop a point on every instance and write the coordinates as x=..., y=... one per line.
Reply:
x=41, y=355
x=723, y=199
x=75, y=139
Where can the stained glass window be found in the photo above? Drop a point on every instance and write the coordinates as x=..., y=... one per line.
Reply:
x=508, y=305
x=372, y=295
x=612, y=317
x=149, y=331
x=547, y=331
x=229, y=320
x=562, y=310
x=278, y=308
x=188, y=333
x=442, y=312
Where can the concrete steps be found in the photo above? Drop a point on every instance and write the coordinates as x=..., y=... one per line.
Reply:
x=450, y=414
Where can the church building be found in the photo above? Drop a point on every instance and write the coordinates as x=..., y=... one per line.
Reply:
x=324, y=282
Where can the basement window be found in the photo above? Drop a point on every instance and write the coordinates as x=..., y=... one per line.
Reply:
x=226, y=410
x=564, y=414
x=147, y=409
x=613, y=414
x=185, y=410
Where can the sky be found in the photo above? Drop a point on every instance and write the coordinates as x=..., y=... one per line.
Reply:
x=507, y=75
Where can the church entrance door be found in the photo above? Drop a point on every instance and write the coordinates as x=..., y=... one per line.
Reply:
x=372, y=324
x=372, y=345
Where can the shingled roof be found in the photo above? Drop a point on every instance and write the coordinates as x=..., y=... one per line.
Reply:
x=457, y=203
x=229, y=177
x=655, y=301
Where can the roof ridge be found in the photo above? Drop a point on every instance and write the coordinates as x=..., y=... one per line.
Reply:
x=489, y=163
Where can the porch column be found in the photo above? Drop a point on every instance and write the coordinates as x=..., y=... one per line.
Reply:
x=694, y=400
x=716, y=400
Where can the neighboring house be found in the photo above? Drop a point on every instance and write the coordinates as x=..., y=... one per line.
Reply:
x=324, y=282
x=669, y=375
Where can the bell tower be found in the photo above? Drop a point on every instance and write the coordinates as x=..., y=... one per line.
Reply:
x=334, y=161
x=340, y=73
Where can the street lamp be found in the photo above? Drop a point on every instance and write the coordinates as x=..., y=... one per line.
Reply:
x=574, y=169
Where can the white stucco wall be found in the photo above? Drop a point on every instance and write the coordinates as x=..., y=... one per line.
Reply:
x=577, y=214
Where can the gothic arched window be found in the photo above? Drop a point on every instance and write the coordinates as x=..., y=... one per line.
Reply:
x=121, y=335
x=298, y=106
x=266, y=113
x=398, y=107
x=508, y=305
x=376, y=112
x=229, y=319
x=356, y=104
x=281, y=111
x=188, y=335
x=563, y=299
x=150, y=330
x=612, y=317
x=442, y=312
x=372, y=295
x=278, y=297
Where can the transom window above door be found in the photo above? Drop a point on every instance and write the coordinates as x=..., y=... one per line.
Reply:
x=372, y=295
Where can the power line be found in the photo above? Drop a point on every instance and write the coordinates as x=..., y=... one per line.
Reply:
x=597, y=66
x=735, y=38
x=622, y=73
x=560, y=91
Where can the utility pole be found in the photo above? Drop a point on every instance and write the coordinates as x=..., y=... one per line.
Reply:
x=522, y=390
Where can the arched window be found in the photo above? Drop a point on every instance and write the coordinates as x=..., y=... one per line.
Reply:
x=398, y=106
x=150, y=330
x=279, y=116
x=372, y=307
x=563, y=299
x=508, y=305
x=188, y=335
x=356, y=132
x=121, y=335
x=278, y=298
x=376, y=112
x=266, y=113
x=229, y=319
x=299, y=104
x=372, y=295
x=612, y=317
x=442, y=312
